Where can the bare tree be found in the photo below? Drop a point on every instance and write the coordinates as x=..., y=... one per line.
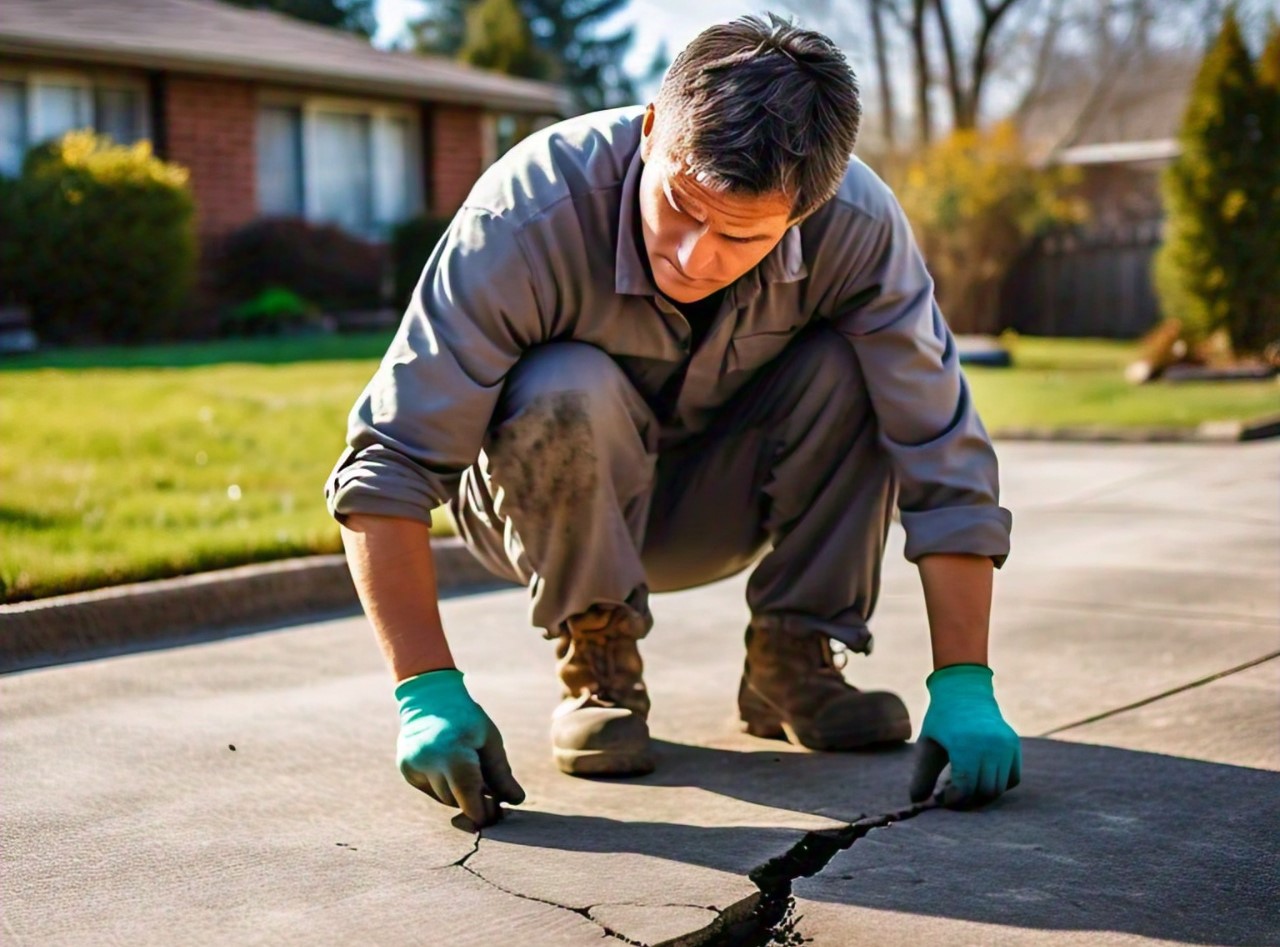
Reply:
x=930, y=28
x=939, y=59
x=888, y=113
x=965, y=80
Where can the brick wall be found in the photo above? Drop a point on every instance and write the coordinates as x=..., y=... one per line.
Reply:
x=209, y=127
x=456, y=155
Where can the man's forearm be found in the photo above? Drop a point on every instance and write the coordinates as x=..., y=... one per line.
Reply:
x=957, y=593
x=394, y=573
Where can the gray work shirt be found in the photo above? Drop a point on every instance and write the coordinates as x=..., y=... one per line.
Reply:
x=546, y=248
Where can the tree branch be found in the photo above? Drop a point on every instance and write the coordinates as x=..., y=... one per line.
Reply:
x=960, y=113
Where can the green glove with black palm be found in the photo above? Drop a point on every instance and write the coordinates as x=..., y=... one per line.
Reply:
x=964, y=727
x=450, y=749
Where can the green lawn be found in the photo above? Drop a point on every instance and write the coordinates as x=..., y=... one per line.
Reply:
x=1059, y=383
x=115, y=469
x=128, y=464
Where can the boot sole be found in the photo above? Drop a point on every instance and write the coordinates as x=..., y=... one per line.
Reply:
x=603, y=762
x=761, y=722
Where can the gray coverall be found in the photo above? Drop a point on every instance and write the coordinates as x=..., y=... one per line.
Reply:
x=523, y=388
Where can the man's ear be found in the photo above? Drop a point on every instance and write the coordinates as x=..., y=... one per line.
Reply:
x=646, y=132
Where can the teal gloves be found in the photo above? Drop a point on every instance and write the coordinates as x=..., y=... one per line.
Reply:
x=450, y=749
x=964, y=726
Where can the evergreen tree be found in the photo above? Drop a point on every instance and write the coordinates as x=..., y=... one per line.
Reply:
x=498, y=37
x=1211, y=272
x=1269, y=186
x=354, y=16
x=566, y=32
x=1269, y=61
x=443, y=28
x=591, y=64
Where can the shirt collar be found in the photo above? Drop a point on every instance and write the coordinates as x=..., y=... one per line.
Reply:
x=784, y=263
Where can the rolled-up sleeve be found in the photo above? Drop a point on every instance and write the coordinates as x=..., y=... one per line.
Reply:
x=949, y=493
x=421, y=420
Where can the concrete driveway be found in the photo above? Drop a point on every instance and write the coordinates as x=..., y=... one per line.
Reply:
x=243, y=791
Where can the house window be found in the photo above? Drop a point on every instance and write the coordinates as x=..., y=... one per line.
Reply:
x=37, y=107
x=119, y=113
x=280, y=161
x=353, y=165
x=341, y=162
x=502, y=131
x=59, y=106
x=13, y=127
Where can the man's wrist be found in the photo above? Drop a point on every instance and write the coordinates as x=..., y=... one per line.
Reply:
x=955, y=680
x=429, y=685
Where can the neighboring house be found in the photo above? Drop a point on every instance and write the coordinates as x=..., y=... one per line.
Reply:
x=1119, y=132
x=273, y=117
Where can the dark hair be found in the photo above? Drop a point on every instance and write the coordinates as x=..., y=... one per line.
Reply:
x=762, y=107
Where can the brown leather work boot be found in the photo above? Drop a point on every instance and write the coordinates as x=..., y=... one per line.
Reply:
x=792, y=688
x=601, y=728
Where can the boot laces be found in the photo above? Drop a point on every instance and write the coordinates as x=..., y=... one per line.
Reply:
x=599, y=652
x=818, y=653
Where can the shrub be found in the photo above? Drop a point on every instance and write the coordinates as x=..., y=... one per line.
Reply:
x=9, y=257
x=1217, y=268
x=319, y=262
x=101, y=241
x=411, y=245
x=974, y=201
x=271, y=312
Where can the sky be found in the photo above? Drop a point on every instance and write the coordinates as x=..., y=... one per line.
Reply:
x=675, y=21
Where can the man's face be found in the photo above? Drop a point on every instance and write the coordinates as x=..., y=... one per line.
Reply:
x=699, y=239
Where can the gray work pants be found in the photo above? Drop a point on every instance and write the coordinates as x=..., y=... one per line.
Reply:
x=572, y=496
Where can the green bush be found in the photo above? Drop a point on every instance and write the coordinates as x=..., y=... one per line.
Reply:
x=9, y=258
x=100, y=241
x=272, y=312
x=411, y=245
x=319, y=262
x=1217, y=268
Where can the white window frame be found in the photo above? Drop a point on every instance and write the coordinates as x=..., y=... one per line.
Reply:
x=38, y=81
x=379, y=113
x=90, y=81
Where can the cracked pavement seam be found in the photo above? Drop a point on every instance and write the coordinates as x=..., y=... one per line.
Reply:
x=581, y=912
x=773, y=921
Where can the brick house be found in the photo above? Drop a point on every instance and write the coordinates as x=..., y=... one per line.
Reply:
x=273, y=116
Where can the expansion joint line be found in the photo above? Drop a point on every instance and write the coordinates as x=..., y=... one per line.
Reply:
x=1161, y=696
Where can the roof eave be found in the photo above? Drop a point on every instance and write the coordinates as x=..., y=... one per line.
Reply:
x=552, y=101
x=1119, y=152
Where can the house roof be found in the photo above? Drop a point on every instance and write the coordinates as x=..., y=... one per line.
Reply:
x=210, y=37
x=1133, y=115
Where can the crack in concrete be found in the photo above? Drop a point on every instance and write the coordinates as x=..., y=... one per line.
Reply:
x=1161, y=696
x=581, y=912
x=462, y=862
x=773, y=920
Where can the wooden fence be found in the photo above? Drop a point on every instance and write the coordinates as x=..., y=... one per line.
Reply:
x=1085, y=283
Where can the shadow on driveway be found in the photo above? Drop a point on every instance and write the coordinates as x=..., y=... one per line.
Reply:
x=1096, y=839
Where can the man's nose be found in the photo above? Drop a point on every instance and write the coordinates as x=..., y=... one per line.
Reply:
x=696, y=254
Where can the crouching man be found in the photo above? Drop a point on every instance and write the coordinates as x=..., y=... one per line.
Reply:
x=655, y=348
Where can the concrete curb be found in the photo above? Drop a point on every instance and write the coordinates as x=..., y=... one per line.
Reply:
x=62, y=627
x=53, y=629
x=1209, y=432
